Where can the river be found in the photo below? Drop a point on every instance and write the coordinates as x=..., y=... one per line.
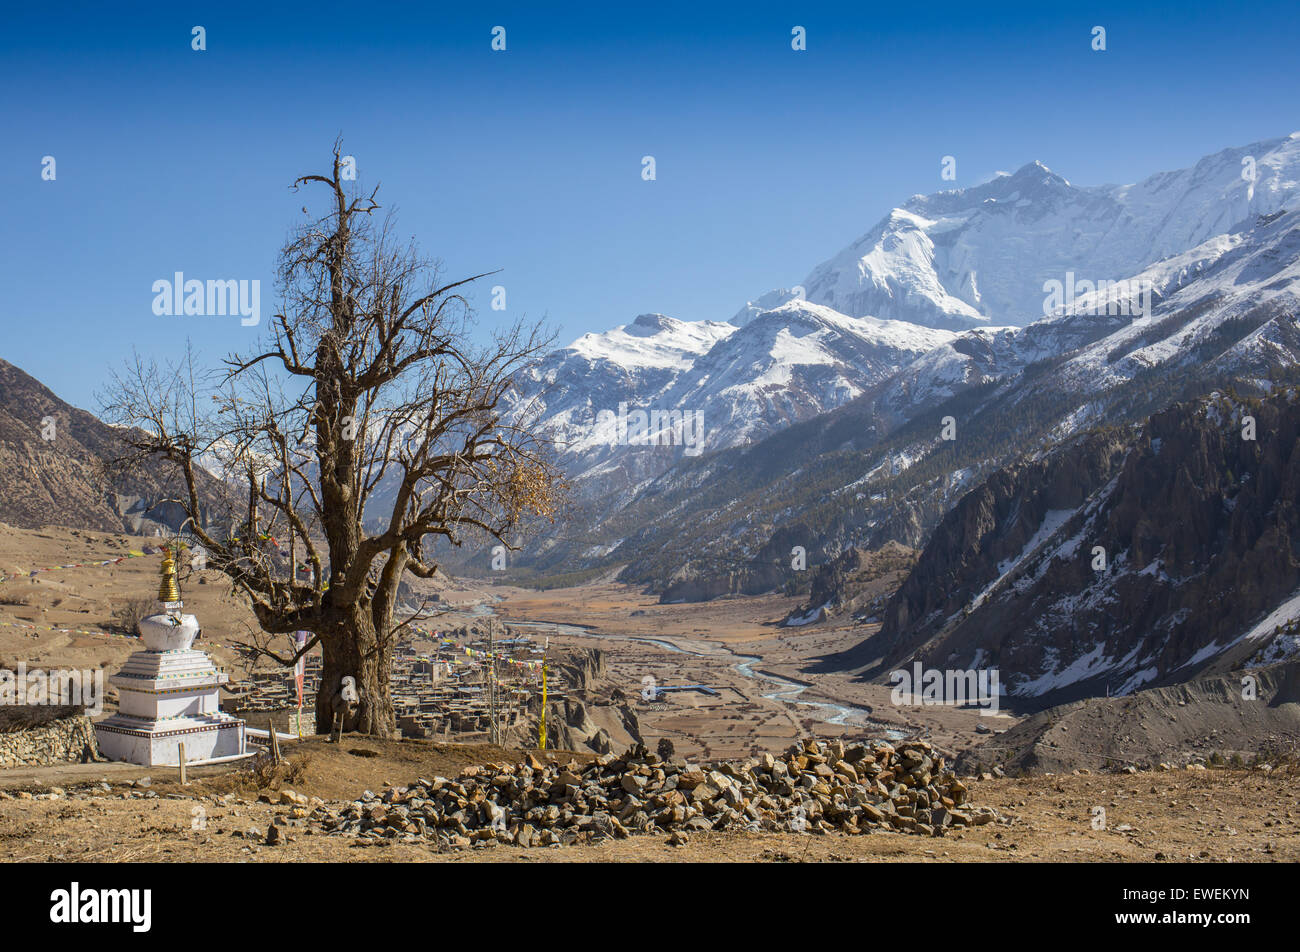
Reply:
x=786, y=691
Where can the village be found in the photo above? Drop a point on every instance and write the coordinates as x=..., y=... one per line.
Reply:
x=442, y=689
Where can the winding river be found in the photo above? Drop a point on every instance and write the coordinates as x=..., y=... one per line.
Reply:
x=787, y=691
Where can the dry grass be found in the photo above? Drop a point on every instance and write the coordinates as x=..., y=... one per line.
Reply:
x=127, y=618
x=266, y=774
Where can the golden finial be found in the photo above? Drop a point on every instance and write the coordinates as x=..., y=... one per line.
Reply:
x=168, y=589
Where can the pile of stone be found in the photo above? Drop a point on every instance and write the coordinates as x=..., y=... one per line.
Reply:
x=815, y=787
x=39, y=737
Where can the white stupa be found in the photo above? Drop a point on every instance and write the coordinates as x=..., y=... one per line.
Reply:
x=169, y=694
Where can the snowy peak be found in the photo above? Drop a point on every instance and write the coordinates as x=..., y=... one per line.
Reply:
x=1035, y=175
x=897, y=272
x=798, y=315
x=968, y=257
x=648, y=325
x=764, y=302
x=1033, y=181
x=650, y=341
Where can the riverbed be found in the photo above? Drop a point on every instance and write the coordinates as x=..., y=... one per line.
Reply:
x=786, y=691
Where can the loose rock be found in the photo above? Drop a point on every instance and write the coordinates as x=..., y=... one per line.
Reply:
x=814, y=787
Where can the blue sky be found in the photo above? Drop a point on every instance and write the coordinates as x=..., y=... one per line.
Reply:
x=529, y=160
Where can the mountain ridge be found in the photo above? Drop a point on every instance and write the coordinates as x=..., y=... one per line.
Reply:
x=53, y=466
x=971, y=263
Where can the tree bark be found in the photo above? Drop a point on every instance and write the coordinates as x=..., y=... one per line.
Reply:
x=355, y=651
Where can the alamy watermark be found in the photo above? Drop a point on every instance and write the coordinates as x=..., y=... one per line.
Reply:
x=1127, y=297
x=37, y=687
x=75, y=904
x=213, y=298
x=654, y=428
x=954, y=687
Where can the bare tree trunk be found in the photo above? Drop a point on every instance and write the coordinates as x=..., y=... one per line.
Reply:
x=356, y=652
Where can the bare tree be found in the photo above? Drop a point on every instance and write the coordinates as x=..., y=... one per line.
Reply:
x=364, y=425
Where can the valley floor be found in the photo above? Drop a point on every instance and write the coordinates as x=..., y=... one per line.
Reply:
x=770, y=688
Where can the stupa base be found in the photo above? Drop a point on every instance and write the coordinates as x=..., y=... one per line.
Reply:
x=157, y=743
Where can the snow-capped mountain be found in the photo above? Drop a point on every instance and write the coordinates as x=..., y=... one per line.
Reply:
x=981, y=255
x=652, y=342
x=791, y=363
x=764, y=302
x=1229, y=302
x=564, y=391
x=1132, y=276
x=736, y=384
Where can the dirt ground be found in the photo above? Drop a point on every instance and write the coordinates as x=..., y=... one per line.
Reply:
x=88, y=599
x=1176, y=816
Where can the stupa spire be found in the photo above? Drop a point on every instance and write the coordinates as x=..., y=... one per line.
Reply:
x=169, y=590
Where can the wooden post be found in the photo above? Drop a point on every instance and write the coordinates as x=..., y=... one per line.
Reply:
x=181, y=750
x=275, y=741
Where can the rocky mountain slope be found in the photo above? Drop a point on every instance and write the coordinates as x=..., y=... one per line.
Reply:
x=855, y=582
x=51, y=466
x=1118, y=561
x=1203, y=718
